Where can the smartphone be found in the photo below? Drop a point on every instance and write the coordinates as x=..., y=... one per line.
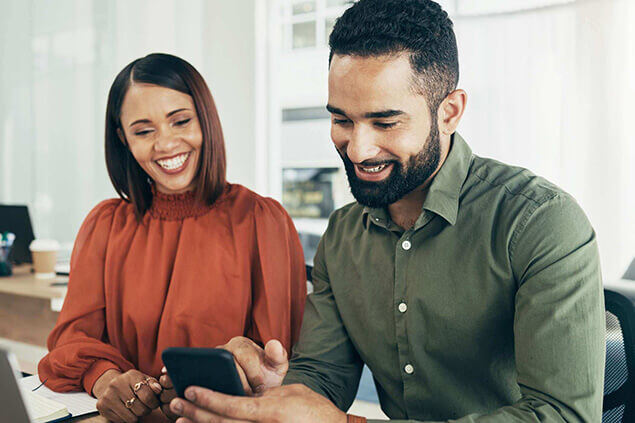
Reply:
x=211, y=368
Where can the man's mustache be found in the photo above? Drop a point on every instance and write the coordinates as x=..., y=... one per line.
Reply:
x=368, y=162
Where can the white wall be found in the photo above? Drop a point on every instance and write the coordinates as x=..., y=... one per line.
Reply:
x=549, y=88
x=58, y=61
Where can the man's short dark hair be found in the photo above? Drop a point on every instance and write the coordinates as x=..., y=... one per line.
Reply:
x=421, y=27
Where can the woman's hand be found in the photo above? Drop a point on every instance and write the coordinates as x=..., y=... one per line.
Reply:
x=167, y=395
x=124, y=397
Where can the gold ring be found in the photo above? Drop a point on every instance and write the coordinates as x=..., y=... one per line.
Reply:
x=138, y=385
x=130, y=402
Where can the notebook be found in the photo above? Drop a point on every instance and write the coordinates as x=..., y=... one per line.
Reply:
x=76, y=403
x=43, y=410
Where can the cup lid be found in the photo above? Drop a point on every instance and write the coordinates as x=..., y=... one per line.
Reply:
x=44, y=245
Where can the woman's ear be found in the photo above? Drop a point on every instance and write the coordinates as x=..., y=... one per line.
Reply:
x=122, y=137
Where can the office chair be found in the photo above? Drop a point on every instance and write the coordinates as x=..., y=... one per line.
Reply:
x=309, y=269
x=619, y=377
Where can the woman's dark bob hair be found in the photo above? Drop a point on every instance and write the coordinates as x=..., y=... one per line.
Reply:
x=128, y=178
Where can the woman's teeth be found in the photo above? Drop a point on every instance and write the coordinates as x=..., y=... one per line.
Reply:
x=373, y=169
x=174, y=162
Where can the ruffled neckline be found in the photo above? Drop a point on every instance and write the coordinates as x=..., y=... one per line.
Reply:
x=176, y=206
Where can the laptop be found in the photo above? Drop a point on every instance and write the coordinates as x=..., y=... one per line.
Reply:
x=12, y=406
x=16, y=219
x=21, y=405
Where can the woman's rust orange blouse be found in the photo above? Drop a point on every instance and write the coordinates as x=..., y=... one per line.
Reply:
x=186, y=275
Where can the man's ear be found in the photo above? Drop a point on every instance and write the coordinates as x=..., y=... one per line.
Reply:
x=122, y=137
x=451, y=110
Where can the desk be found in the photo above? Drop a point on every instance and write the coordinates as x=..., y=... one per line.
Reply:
x=92, y=418
x=25, y=306
x=156, y=416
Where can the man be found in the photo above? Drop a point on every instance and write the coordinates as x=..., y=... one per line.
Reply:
x=470, y=288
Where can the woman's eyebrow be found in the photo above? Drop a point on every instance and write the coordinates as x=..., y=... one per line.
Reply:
x=176, y=111
x=167, y=115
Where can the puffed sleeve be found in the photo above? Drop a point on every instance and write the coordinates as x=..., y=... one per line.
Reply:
x=278, y=277
x=79, y=352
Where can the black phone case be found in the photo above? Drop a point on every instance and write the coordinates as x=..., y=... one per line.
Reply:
x=211, y=368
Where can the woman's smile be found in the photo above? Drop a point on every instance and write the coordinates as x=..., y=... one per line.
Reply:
x=175, y=164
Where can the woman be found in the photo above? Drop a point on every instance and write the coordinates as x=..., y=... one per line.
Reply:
x=183, y=258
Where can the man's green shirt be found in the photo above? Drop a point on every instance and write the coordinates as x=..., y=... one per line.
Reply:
x=489, y=309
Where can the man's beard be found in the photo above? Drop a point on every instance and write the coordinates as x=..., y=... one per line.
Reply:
x=402, y=179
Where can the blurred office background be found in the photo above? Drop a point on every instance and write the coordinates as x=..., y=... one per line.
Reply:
x=550, y=85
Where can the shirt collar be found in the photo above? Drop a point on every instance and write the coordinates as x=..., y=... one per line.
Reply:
x=445, y=189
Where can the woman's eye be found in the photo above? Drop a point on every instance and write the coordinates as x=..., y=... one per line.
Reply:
x=143, y=132
x=182, y=121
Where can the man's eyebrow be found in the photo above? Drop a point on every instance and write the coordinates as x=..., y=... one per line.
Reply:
x=335, y=110
x=167, y=115
x=384, y=114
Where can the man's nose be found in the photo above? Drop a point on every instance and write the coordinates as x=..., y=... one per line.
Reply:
x=362, y=145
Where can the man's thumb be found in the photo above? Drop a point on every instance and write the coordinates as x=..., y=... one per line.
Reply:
x=276, y=355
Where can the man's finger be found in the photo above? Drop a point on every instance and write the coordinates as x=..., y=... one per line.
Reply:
x=239, y=408
x=249, y=358
x=193, y=413
x=276, y=357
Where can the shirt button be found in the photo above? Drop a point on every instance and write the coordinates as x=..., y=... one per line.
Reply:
x=409, y=369
x=403, y=307
x=406, y=245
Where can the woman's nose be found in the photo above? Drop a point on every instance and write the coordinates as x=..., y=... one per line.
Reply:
x=166, y=141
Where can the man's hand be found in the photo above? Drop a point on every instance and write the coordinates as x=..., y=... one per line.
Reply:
x=124, y=397
x=259, y=369
x=291, y=403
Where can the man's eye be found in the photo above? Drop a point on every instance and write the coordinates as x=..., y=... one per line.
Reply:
x=385, y=125
x=340, y=121
x=183, y=122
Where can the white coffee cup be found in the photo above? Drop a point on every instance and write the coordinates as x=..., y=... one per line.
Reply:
x=44, y=254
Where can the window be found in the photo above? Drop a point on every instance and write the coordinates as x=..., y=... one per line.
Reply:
x=304, y=34
x=308, y=23
x=329, y=23
x=303, y=7
x=485, y=7
x=308, y=192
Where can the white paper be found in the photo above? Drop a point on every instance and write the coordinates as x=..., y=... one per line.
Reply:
x=77, y=403
x=42, y=409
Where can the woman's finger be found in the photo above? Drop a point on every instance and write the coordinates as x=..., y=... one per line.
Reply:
x=166, y=382
x=129, y=401
x=105, y=409
x=168, y=413
x=111, y=416
x=146, y=395
x=167, y=395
